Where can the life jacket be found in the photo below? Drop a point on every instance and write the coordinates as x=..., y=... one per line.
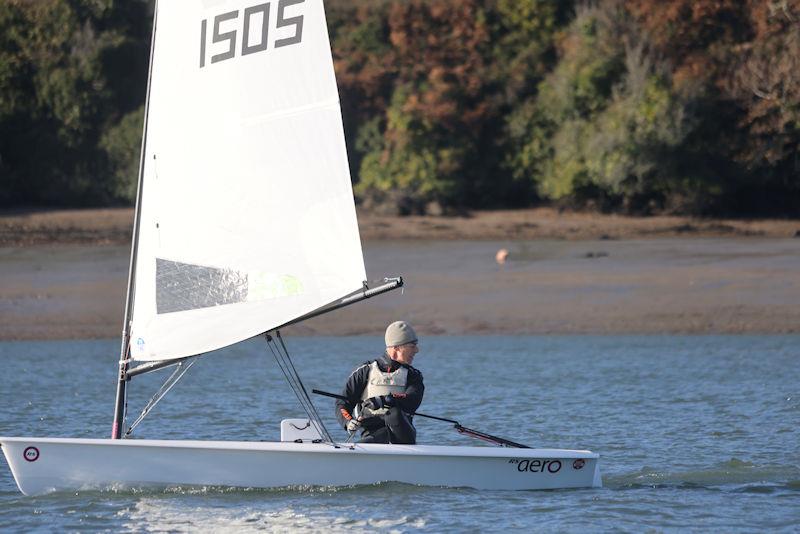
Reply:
x=380, y=383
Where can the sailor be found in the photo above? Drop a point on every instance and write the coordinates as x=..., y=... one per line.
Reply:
x=381, y=393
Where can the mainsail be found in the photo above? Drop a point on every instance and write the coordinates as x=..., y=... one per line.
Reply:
x=247, y=218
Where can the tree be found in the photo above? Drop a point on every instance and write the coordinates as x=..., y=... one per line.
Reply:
x=58, y=96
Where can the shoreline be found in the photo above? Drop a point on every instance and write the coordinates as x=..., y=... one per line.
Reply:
x=113, y=226
x=63, y=275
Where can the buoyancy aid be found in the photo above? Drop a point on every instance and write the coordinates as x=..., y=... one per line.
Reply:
x=380, y=383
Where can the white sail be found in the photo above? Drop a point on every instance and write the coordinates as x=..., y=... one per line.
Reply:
x=247, y=216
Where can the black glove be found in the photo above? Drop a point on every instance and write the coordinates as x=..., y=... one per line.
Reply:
x=376, y=403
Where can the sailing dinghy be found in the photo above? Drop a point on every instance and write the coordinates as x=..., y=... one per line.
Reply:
x=245, y=223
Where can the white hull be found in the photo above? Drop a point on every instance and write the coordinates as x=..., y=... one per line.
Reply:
x=41, y=465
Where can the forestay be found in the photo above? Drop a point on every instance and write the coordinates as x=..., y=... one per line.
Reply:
x=247, y=216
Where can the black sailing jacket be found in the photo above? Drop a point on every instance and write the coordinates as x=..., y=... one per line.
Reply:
x=357, y=382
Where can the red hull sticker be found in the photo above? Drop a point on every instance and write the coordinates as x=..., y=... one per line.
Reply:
x=31, y=454
x=578, y=464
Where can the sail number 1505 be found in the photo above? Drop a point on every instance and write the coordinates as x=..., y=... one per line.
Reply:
x=254, y=38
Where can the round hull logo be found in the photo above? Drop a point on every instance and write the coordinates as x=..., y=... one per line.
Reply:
x=31, y=454
x=579, y=463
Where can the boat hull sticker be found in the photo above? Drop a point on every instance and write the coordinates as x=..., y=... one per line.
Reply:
x=31, y=454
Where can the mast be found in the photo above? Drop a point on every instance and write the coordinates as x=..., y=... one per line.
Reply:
x=122, y=376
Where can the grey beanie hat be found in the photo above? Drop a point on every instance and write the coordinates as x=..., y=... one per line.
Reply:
x=399, y=333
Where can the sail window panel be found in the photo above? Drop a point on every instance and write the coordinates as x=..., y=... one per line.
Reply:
x=183, y=286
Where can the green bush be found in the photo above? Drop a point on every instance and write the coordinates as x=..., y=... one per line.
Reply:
x=606, y=125
x=122, y=145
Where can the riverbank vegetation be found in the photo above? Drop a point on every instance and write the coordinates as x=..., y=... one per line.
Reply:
x=626, y=106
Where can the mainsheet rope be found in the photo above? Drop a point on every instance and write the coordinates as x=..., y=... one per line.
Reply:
x=286, y=365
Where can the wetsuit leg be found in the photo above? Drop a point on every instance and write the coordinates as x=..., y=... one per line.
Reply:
x=375, y=435
x=400, y=428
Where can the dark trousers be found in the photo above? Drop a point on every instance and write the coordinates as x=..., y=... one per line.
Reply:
x=396, y=428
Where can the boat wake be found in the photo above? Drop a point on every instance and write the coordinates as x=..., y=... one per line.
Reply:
x=155, y=514
x=395, y=488
x=741, y=475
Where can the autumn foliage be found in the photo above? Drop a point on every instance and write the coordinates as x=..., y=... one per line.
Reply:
x=639, y=106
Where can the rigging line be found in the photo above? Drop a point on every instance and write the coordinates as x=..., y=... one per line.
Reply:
x=296, y=382
x=285, y=363
x=305, y=392
x=168, y=384
x=293, y=381
x=297, y=375
x=284, y=369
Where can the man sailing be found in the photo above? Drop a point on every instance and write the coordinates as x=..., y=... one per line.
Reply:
x=382, y=392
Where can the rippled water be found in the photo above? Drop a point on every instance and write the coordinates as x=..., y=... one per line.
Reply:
x=695, y=433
